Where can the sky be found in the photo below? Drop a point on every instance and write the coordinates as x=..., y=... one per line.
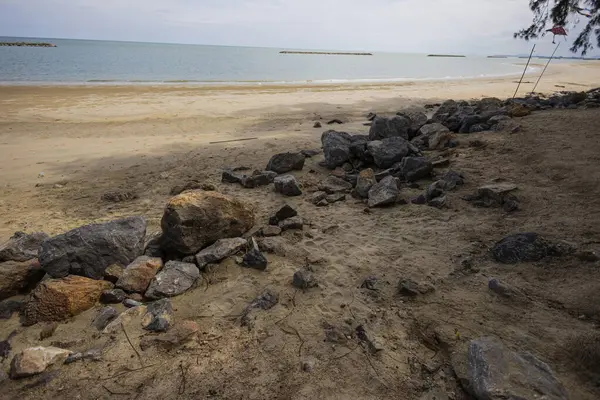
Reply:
x=419, y=26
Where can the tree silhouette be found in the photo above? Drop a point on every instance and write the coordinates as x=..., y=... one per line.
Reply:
x=549, y=13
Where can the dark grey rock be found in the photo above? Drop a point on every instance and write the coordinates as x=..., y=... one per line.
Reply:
x=9, y=306
x=585, y=255
x=258, y=178
x=90, y=249
x=131, y=303
x=420, y=199
x=22, y=246
x=304, y=279
x=365, y=181
x=438, y=202
x=334, y=198
x=384, y=193
x=254, y=258
x=408, y=287
x=286, y=162
x=317, y=125
x=317, y=197
x=291, y=223
x=370, y=283
x=271, y=230
x=497, y=118
x=113, y=296
x=265, y=301
x=415, y=168
x=373, y=344
x=105, y=316
x=479, y=128
x=382, y=128
x=451, y=179
x=229, y=176
x=489, y=370
x=159, y=316
x=388, y=151
x=335, y=121
x=434, y=190
x=358, y=149
x=221, y=249
x=153, y=245
x=446, y=109
x=527, y=247
x=285, y=212
x=333, y=184
x=174, y=279
x=19, y=276
x=287, y=185
x=417, y=120
x=489, y=104
x=336, y=148
x=495, y=195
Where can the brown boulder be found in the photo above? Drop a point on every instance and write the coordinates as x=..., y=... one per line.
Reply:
x=16, y=276
x=196, y=219
x=138, y=275
x=60, y=299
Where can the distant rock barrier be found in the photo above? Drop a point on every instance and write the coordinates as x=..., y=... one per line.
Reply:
x=26, y=44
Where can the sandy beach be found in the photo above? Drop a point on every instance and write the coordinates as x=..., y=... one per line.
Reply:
x=63, y=147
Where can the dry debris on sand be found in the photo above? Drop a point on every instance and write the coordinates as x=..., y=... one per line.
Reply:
x=399, y=263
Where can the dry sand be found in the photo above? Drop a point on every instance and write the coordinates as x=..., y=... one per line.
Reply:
x=91, y=140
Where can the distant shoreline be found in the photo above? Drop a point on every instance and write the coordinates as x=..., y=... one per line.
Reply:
x=333, y=53
x=27, y=44
x=446, y=55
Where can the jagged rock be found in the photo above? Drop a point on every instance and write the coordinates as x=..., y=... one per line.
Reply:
x=105, y=316
x=336, y=148
x=258, y=178
x=271, y=230
x=489, y=104
x=415, y=168
x=333, y=184
x=317, y=125
x=436, y=189
x=22, y=246
x=265, y=301
x=475, y=128
x=382, y=128
x=304, y=279
x=229, y=176
x=420, y=199
x=450, y=180
x=113, y=273
x=447, y=109
x=317, y=197
x=153, y=246
x=131, y=303
x=284, y=212
x=358, y=149
x=137, y=276
x=384, y=193
x=417, y=120
x=60, y=299
x=113, y=296
x=221, y=249
x=494, y=195
x=287, y=185
x=366, y=180
x=35, y=360
x=489, y=370
x=388, y=151
x=254, y=258
x=373, y=343
x=286, y=162
x=370, y=283
x=334, y=198
x=16, y=276
x=90, y=249
x=92, y=354
x=196, y=219
x=174, y=279
x=438, y=202
x=291, y=223
x=125, y=318
x=159, y=316
x=527, y=247
x=8, y=307
x=179, y=334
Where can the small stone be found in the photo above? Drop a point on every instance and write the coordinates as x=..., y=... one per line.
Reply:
x=304, y=279
x=179, y=334
x=113, y=273
x=384, y=193
x=587, y=255
x=374, y=344
x=17, y=276
x=420, y=199
x=174, y=279
x=334, y=198
x=283, y=213
x=322, y=203
x=258, y=178
x=291, y=223
x=254, y=258
x=159, y=316
x=265, y=301
x=287, y=185
x=504, y=289
x=333, y=184
x=370, y=283
x=408, y=287
x=365, y=181
x=286, y=162
x=335, y=121
x=318, y=197
x=35, y=360
x=113, y=296
x=221, y=249
x=131, y=303
x=310, y=153
x=317, y=125
x=308, y=366
x=438, y=202
x=115, y=196
x=271, y=230
x=48, y=329
x=138, y=275
x=105, y=316
x=135, y=296
x=231, y=177
x=526, y=247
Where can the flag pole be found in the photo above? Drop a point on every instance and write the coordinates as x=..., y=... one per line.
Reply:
x=548, y=63
x=525, y=70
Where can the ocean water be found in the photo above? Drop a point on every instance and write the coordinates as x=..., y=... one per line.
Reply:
x=105, y=62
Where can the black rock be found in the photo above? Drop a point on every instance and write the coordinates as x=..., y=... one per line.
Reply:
x=336, y=148
x=370, y=283
x=371, y=116
x=419, y=200
x=153, y=246
x=90, y=249
x=415, y=168
x=304, y=279
x=159, y=317
x=408, y=287
x=358, y=150
x=388, y=152
x=22, y=246
x=113, y=296
x=286, y=162
x=335, y=121
x=334, y=198
x=229, y=176
x=382, y=128
x=258, y=178
x=451, y=179
x=284, y=212
x=384, y=193
x=527, y=247
x=265, y=301
x=287, y=185
x=317, y=125
x=479, y=128
x=438, y=202
x=8, y=307
x=417, y=120
x=254, y=258
x=105, y=316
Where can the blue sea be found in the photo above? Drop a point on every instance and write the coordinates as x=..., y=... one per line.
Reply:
x=105, y=62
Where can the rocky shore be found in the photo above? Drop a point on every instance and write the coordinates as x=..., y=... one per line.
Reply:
x=26, y=44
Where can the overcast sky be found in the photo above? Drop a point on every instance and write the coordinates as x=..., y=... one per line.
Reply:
x=424, y=26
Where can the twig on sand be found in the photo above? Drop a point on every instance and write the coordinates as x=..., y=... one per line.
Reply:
x=376, y=372
x=114, y=392
x=131, y=344
x=295, y=332
x=127, y=370
x=233, y=140
x=183, y=383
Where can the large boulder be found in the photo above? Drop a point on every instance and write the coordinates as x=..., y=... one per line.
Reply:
x=417, y=120
x=382, y=128
x=446, y=109
x=174, y=279
x=527, y=247
x=138, y=275
x=489, y=370
x=433, y=136
x=415, y=168
x=286, y=162
x=90, y=249
x=364, y=182
x=488, y=104
x=219, y=250
x=287, y=185
x=17, y=276
x=22, y=246
x=336, y=148
x=196, y=219
x=60, y=299
x=384, y=193
x=35, y=360
x=388, y=151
